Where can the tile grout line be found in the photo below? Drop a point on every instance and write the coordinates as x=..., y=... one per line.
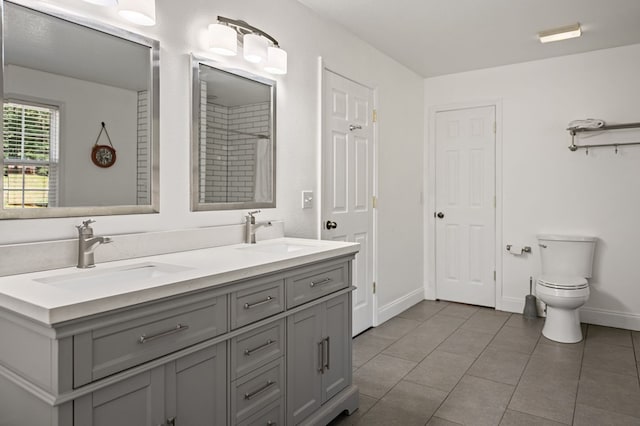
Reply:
x=575, y=402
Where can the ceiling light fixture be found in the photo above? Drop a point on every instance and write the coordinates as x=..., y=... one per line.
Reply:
x=257, y=46
x=141, y=12
x=103, y=2
x=563, y=33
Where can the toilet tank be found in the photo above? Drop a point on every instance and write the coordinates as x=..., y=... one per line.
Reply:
x=566, y=255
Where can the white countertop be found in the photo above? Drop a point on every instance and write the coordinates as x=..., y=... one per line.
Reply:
x=37, y=296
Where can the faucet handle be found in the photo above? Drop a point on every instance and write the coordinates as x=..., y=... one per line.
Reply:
x=85, y=224
x=253, y=213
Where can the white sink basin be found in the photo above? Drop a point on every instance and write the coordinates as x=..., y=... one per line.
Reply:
x=280, y=248
x=98, y=277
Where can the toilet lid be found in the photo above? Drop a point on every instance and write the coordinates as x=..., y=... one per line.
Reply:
x=563, y=282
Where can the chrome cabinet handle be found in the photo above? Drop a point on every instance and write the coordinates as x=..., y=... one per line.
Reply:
x=262, y=389
x=315, y=283
x=321, y=356
x=178, y=328
x=253, y=305
x=331, y=225
x=327, y=364
x=270, y=423
x=542, y=245
x=248, y=352
x=171, y=421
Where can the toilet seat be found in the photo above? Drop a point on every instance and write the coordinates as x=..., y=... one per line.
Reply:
x=563, y=282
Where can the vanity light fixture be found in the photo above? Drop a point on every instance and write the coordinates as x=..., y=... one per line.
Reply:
x=141, y=12
x=276, y=61
x=257, y=46
x=254, y=48
x=223, y=40
x=563, y=33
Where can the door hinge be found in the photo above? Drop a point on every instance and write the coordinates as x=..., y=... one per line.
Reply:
x=495, y=127
x=374, y=202
x=494, y=275
x=375, y=115
x=374, y=287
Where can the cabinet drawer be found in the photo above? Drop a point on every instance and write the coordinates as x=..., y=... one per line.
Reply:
x=272, y=415
x=108, y=350
x=256, y=348
x=256, y=302
x=316, y=282
x=256, y=390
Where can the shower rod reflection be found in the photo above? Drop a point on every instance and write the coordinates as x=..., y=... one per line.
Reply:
x=238, y=132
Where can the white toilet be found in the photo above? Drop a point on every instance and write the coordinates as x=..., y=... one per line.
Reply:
x=566, y=262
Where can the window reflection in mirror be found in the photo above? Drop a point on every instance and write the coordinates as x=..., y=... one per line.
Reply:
x=234, y=144
x=63, y=77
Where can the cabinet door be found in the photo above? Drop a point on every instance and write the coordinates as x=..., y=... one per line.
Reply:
x=196, y=388
x=136, y=401
x=304, y=345
x=337, y=334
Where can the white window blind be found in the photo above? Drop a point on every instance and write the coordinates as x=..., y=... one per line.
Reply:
x=30, y=155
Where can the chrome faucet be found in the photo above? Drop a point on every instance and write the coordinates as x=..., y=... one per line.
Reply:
x=87, y=243
x=250, y=227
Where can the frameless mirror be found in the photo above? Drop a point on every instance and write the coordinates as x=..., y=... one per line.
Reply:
x=233, y=139
x=80, y=116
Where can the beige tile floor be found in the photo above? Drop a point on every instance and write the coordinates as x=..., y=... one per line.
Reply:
x=441, y=363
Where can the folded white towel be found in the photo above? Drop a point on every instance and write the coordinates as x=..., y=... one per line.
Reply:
x=588, y=123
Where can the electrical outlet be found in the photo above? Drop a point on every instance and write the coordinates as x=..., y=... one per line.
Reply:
x=307, y=199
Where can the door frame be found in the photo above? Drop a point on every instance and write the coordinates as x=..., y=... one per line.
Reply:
x=322, y=67
x=430, y=186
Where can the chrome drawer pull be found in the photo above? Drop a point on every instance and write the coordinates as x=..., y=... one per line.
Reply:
x=257, y=391
x=315, y=283
x=269, y=342
x=178, y=328
x=253, y=305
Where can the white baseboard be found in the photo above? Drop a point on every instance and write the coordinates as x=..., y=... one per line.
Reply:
x=392, y=309
x=625, y=320
x=512, y=304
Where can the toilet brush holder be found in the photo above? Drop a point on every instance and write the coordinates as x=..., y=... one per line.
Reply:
x=530, y=309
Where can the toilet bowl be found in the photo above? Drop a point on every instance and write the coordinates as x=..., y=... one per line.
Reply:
x=562, y=296
x=566, y=263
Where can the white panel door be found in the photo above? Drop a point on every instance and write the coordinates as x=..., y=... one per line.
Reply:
x=465, y=205
x=347, y=182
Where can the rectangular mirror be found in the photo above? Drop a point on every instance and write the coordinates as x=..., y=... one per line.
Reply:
x=233, y=139
x=80, y=116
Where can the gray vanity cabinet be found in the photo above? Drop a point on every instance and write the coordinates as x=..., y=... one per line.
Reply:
x=196, y=389
x=318, y=356
x=268, y=350
x=190, y=391
x=138, y=400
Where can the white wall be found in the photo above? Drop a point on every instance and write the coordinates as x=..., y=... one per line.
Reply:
x=549, y=189
x=181, y=29
x=83, y=107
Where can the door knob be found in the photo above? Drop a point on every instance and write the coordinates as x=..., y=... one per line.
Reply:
x=440, y=215
x=331, y=225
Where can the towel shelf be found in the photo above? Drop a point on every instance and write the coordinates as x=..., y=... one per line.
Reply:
x=574, y=132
